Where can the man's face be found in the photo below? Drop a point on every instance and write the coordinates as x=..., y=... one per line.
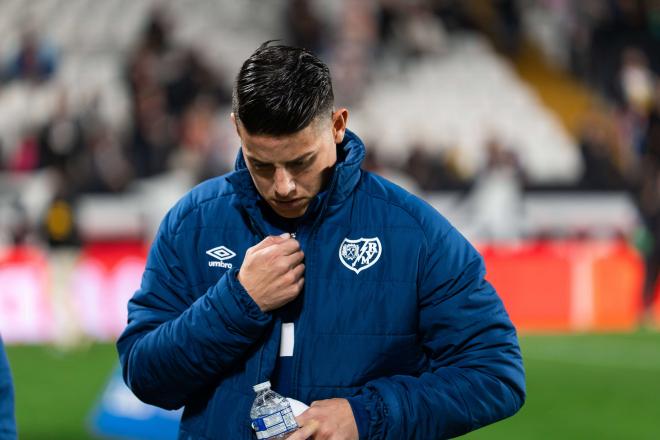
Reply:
x=289, y=171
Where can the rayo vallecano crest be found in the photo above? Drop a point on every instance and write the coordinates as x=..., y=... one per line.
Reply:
x=360, y=254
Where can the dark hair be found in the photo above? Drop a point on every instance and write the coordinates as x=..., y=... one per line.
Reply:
x=281, y=90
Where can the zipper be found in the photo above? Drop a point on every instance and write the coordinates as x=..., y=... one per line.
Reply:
x=296, y=361
x=298, y=235
x=299, y=325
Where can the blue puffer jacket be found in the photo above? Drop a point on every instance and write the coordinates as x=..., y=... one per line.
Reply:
x=7, y=423
x=400, y=317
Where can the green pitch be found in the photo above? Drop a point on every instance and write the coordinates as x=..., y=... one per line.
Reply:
x=579, y=387
x=587, y=387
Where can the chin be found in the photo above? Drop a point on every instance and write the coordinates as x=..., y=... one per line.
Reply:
x=296, y=209
x=290, y=213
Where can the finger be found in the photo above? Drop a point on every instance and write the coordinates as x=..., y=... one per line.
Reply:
x=284, y=247
x=294, y=259
x=283, y=266
x=305, y=431
x=269, y=241
x=288, y=246
x=289, y=281
x=304, y=418
x=298, y=272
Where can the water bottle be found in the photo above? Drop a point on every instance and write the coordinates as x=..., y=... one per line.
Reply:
x=271, y=414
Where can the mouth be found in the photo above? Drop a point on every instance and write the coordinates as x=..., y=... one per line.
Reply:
x=288, y=204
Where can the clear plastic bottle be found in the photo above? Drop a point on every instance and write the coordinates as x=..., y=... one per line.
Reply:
x=271, y=414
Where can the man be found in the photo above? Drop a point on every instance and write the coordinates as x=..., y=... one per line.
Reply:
x=7, y=423
x=347, y=292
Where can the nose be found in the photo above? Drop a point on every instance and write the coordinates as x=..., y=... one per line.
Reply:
x=284, y=184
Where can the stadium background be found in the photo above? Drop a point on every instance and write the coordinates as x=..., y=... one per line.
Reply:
x=533, y=125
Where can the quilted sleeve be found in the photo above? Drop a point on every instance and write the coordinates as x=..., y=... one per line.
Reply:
x=476, y=374
x=175, y=344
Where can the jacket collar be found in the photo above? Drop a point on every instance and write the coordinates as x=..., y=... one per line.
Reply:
x=346, y=175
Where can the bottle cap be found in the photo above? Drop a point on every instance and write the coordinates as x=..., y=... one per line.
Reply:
x=261, y=386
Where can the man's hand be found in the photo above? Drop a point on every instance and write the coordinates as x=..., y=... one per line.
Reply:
x=272, y=271
x=330, y=419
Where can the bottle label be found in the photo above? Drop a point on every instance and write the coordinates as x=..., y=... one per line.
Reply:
x=274, y=424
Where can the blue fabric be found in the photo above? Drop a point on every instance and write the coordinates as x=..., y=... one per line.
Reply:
x=361, y=416
x=417, y=336
x=282, y=376
x=7, y=422
x=282, y=379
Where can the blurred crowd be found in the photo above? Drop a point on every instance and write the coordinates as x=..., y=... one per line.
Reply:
x=176, y=96
x=614, y=48
x=175, y=93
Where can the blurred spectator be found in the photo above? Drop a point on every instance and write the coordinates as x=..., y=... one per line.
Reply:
x=622, y=25
x=420, y=32
x=154, y=62
x=422, y=167
x=25, y=156
x=454, y=14
x=353, y=50
x=15, y=225
x=435, y=172
x=649, y=203
x=179, y=72
x=203, y=147
x=154, y=133
x=35, y=60
x=495, y=200
x=304, y=26
x=386, y=14
x=61, y=139
x=104, y=167
x=59, y=226
x=411, y=29
x=636, y=80
x=166, y=82
x=507, y=26
x=597, y=145
x=372, y=162
x=192, y=77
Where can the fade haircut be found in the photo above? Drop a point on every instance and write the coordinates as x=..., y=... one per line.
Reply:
x=281, y=90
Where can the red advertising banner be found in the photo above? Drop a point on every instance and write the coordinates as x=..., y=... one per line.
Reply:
x=104, y=279
x=546, y=286
x=26, y=314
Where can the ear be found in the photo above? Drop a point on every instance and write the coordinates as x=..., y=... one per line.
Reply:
x=339, y=121
x=235, y=122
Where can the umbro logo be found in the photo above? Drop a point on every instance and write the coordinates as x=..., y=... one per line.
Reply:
x=221, y=253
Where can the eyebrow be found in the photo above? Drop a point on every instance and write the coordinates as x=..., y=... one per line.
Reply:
x=300, y=158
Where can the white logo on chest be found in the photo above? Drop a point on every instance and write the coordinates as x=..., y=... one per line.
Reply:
x=221, y=253
x=360, y=254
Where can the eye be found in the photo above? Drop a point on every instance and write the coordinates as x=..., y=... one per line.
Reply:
x=261, y=166
x=301, y=163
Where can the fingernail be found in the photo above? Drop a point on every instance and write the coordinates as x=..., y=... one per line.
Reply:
x=285, y=235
